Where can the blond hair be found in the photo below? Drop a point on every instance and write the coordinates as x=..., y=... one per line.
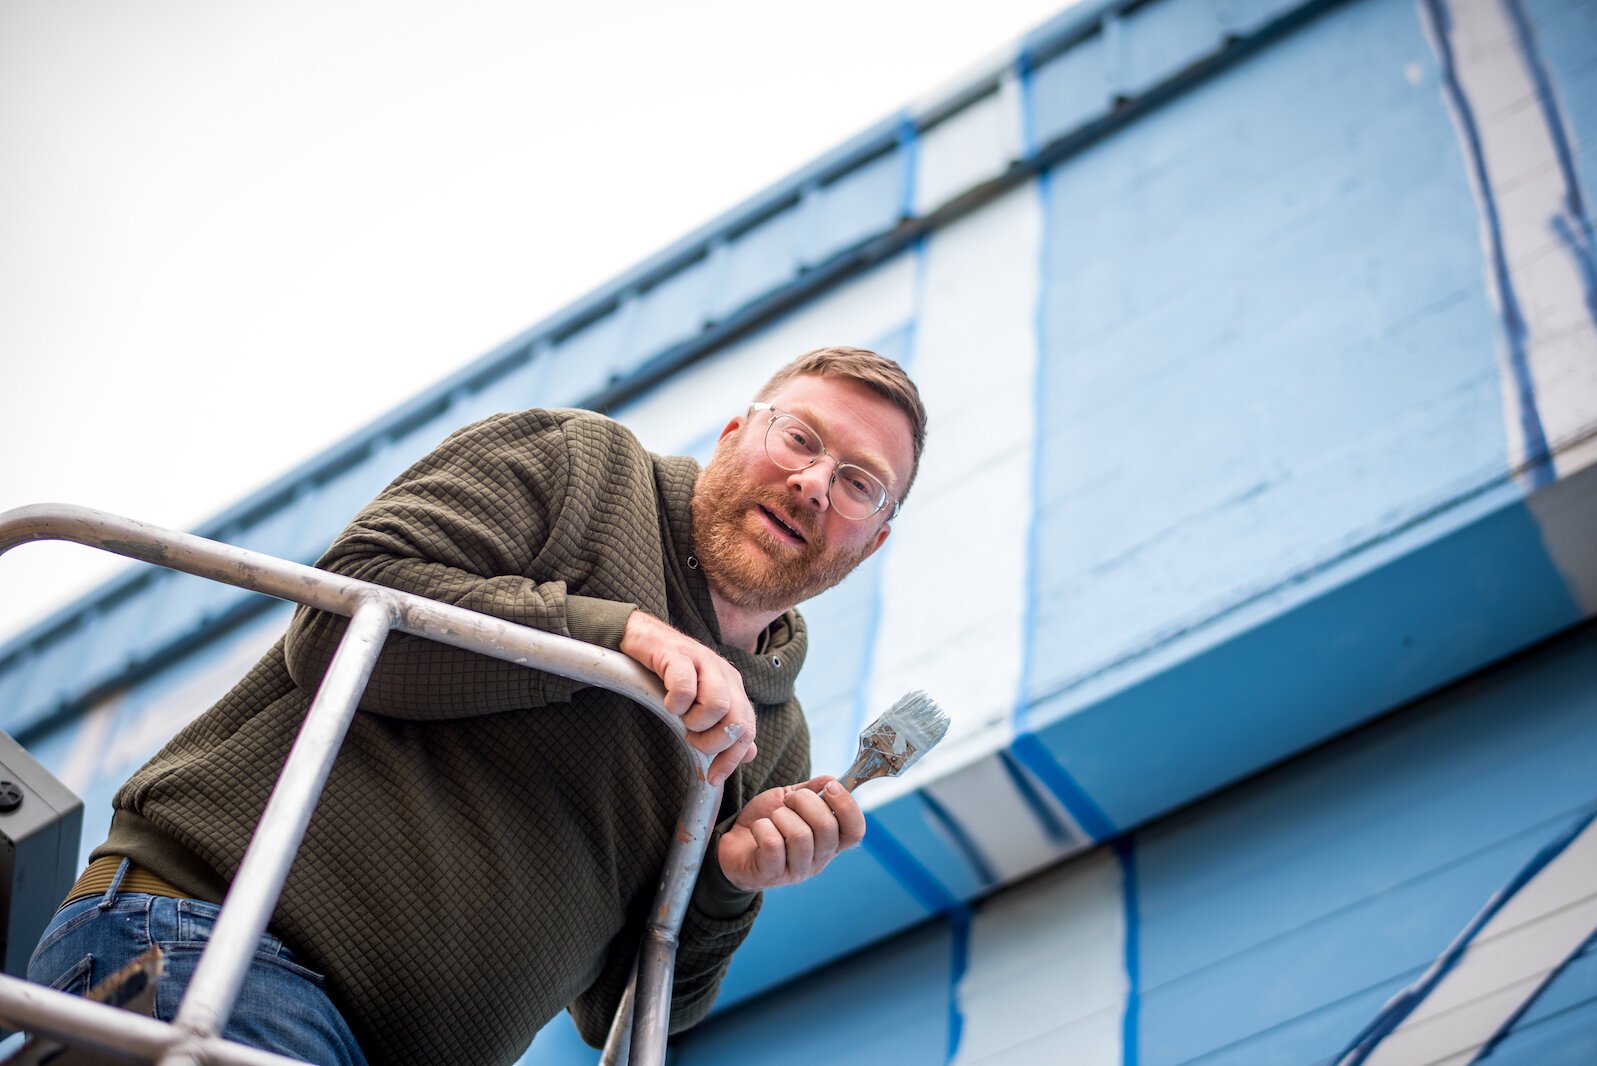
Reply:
x=877, y=372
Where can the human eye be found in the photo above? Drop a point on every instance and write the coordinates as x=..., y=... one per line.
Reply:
x=861, y=485
x=798, y=436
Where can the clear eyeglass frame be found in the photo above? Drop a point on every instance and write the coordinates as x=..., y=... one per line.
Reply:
x=806, y=449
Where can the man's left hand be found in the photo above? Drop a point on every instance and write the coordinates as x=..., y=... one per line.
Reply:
x=788, y=834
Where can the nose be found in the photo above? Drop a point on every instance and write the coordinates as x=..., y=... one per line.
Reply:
x=813, y=483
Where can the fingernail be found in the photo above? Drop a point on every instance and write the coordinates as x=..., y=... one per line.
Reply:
x=718, y=778
x=733, y=731
x=833, y=788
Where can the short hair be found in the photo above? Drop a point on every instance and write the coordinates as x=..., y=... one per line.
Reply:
x=877, y=372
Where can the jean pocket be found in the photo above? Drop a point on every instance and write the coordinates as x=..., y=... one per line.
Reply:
x=78, y=978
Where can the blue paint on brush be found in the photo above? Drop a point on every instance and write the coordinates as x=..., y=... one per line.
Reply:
x=963, y=842
x=1573, y=227
x=1538, y=467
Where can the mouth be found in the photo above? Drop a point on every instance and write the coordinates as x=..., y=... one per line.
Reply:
x=782, y=528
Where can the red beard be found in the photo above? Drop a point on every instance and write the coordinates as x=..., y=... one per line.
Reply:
x=747, y=564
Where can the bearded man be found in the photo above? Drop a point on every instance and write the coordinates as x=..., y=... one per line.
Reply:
x=490, y=837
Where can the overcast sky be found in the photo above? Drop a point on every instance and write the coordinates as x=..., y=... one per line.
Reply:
x=232, y=232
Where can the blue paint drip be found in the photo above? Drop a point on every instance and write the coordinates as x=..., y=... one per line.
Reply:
x=1538, y=467
x=1403, y=1004
x=1130, y=1022
x=1057, y=831
x=1573, y=227
x=1041, y=762
x=932, y=894
x=1508, y=1026
x=963, y=842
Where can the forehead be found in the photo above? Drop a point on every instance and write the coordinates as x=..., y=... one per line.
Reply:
x=857, y=423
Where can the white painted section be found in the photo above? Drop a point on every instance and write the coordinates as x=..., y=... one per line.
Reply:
x=1000, y=821
x=1530, y=193
x=954, y=573
x=1544, y=924
x=974, y=145
x=1566, y=512
x=1046, y=981
x=702, y=398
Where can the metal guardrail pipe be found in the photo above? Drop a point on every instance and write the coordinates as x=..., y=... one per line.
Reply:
x=376, y=610
x=264, y=868
x=78, y=1022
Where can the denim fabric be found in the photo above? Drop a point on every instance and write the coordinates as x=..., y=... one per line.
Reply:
x=283, y=1006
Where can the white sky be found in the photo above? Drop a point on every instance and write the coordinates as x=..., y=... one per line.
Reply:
x=232, y=232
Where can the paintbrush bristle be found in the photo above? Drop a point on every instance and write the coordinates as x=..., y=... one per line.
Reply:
x=917, y=718
x=892, y=743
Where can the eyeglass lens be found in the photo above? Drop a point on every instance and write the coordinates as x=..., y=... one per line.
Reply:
x=855, y=491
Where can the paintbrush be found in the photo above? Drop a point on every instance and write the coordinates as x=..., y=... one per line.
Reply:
x=891, y=744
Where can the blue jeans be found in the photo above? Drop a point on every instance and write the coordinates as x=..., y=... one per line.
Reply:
x=283, y=1006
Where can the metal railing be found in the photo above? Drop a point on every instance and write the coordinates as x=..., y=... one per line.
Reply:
x=194, y=1036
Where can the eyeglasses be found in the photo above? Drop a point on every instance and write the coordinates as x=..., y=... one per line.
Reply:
x=854, y=492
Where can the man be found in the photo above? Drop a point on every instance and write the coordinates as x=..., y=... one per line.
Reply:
x=490, y=837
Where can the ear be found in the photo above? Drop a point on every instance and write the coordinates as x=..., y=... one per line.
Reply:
x=730, y=428
x=876, y=542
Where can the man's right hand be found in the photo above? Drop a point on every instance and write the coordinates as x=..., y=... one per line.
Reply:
x=701, y=688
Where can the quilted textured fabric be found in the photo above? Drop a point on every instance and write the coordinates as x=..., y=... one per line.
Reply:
x=490, y=838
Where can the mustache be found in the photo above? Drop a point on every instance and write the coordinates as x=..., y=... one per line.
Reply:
x=801, y=519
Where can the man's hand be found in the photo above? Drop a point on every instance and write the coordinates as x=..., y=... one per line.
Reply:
x=701, y=688
x=788, y=834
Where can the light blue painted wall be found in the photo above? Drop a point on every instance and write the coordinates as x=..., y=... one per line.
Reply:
x=1273, y=921
x=1266, y=333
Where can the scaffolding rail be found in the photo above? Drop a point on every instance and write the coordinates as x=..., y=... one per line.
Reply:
x=194, y=1036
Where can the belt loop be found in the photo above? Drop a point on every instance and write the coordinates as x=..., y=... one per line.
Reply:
x=116, y=885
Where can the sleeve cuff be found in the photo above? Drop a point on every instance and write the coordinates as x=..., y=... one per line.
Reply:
x=596, y=621
x=716, y=897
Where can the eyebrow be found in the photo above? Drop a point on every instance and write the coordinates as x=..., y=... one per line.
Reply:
x=869, y=460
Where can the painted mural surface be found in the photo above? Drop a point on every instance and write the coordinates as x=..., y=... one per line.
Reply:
x=1266, y=412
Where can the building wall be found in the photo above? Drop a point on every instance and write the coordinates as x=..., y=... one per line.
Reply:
x=1269, y=924
x=1260, y=344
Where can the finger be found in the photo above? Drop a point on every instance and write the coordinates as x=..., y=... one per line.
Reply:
x=770, y=856
x=681, y=680
x=723, y=765
x=846, y=809
x=712, y=702
x=817, y=814
x=800, y=841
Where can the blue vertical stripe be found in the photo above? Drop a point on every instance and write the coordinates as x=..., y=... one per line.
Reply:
x=1538, y=470
x=1573, y=227
x=1041, y=762
x=932, y=894
x=1403, y=1004
x=1057, y=831
x=1130, y=1021
x=909, y=152
x=1028, y=624
x=963, y=842
x=959, y=929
